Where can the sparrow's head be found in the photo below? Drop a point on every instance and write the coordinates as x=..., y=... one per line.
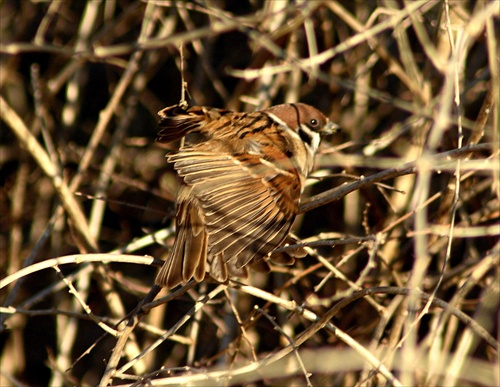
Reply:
x=304, y=125
x=306, y=121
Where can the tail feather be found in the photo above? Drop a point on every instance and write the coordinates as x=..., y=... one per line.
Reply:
x=189, y=252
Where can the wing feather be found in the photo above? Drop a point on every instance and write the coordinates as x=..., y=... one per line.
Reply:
x=245, y=215
x=176, y=121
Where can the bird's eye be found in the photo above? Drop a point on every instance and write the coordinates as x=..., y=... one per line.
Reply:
x=313, y=122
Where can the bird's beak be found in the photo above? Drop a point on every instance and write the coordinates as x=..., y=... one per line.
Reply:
x=330, y=128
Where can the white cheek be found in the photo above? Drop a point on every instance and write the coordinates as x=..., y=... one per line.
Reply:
x=316, y=138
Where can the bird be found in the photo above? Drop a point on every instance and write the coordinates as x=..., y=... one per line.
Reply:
x=241, y=183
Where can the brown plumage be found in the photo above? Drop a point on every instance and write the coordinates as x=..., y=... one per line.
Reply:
x=241, y=185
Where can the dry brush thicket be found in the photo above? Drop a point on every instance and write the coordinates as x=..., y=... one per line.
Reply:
x=401, y=219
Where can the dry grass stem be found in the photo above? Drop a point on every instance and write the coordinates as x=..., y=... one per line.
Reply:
x=399, y=225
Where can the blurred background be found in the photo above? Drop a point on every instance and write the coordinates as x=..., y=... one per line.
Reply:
x=81, y=83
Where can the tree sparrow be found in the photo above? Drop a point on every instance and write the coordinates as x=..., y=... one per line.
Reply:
x=241, y=185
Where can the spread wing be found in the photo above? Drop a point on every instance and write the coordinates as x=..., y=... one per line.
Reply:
x=239, y=197
x=247, y=206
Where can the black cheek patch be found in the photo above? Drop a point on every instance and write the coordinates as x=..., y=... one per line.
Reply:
x=304, y=136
